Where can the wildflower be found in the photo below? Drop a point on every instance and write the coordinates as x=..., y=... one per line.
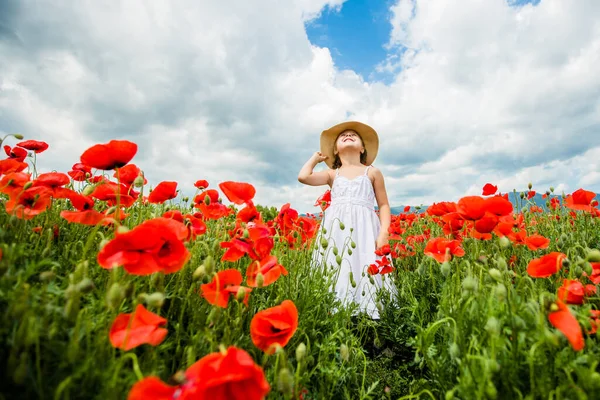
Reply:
x=274, y=326
x=132, y=330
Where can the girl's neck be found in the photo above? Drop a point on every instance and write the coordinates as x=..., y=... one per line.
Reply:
x=350, y=160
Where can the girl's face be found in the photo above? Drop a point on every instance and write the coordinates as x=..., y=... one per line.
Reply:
x=349, y=139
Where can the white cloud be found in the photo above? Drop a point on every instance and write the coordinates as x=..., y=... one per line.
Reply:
x=482, y=91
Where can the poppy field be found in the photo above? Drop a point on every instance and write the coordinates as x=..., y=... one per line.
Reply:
x=115, y=289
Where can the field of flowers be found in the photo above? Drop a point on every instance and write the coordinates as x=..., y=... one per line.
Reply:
x=112, y=291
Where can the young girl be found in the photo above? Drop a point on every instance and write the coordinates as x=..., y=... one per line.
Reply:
x=349, y=149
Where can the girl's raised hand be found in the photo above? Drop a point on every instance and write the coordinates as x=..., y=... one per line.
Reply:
x=319, y=157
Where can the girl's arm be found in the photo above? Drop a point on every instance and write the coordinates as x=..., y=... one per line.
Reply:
x=308, y=177
x=385, y=214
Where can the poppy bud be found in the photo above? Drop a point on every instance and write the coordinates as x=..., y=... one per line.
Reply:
x=300, y=352
x=371, y=280
x=529, y=185
x=344, y=352
x=495, y=274
x=324, y=231
x=114, y=296
x=553, y=307
x=246, y=234
x=469, y=284
x=449, y=395
x=352, y=244
x=260, y=280
x=285, y=381
x=342, y=226
x=207, y=200
x=241, y=294
x=454, y=350
x=501, y=263
x=199, y=272
x=338, y=259
x=593, y=255
x=156, y=299
x=352, y=281
x=138, y=181
x=349, y=252
x=552, y=189
x=27, y=185
x=85, y=286
x=445, y=268
x=47, y=276
x=18, y=136
x=324, y=243
x=209, y=264
x=335, y=250
x=500, y=292
x=72, y=307
x=122, y=229
x=504, y=242
x=490, y=390
x=522, y=195
x=87, y=190
x=492, y=326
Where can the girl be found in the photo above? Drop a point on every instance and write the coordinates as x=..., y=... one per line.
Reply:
x=350, y=223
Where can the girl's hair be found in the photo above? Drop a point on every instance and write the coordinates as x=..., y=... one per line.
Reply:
x=337, y=163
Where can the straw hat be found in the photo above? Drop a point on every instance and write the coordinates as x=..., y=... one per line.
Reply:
x=368, y=135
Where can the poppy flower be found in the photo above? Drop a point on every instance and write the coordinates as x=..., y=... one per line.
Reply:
x=530, y=194
x=595, y=321
x=324, y=200
x=201, y=184
x=471, y=207
x=213, y=211
x=571, y=292
x=37, y=146
x=11, y=165
x=442, y=208
x=489, y=189
x=162, y=192
x=78, y=200
x=238, y=192
x=113, y=193
x=546, y=266
x=228, y=375
x=212, y=194
x=535, y=242
x=52, y=180
x=561, y=318
x=30, y=202
x=274, y=326
x=13, y=182
x=87, y=217
x=224, y=285
x=373, y=269
x=153, y=246
x=487, y=223
x=580, y=200
x=249, y=213
x=268, y=267
x=80, y=172
x=114, y=154
x=442, y=249
x=127, y=174
x=141, y=327
x=16, y=153
x=383, y=251
x=498, y=205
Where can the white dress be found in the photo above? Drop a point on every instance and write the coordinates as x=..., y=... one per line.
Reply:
x=352, y=206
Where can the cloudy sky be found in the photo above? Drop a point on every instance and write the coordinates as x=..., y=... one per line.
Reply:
x=462, y=92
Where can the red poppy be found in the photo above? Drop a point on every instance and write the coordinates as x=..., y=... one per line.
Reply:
x=201, y=184
x=536, y=242
x=471, y=207
x=11, y=165
x=324, y=200
x=16, y=153
x=87, y=217
x=274, y=326
x=439, y=209
x=162, y=192
x=212, y=194
x=571, y=292
x=52, y=180
x=224, y=285
x=249, y=213
x=580, y=200
x=13, y=182
x=28, y=203
x=595, y=277
x=546, y=266
x=487, y=223
x=36, y=146
x=498, y=205
x=530, y=194
x=132, y=330
x=238, y=192
x=268, y=267
x=227, y=375
x=213, y=211
x=383, y=251
x=153, y=246
x=563, y=320
x=78, y=200
x=114, y=154
x=489, y=189
x=595, y=321
x=194, y=225
x=127, y=174
x=80, y=172
x=443, y=249
x=113, y=193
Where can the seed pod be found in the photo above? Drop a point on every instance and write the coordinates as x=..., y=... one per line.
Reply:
x=138, y=182
x=241, y=294
x=285, y=381
x=156, y=299
x=344, y=352
x=199, y=272
x=495, y=274
x=300, y=352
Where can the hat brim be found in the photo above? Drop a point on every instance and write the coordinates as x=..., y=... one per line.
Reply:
x=369, y=137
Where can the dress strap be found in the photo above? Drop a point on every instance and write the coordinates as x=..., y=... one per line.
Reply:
x=367, y=169
x=337, y=172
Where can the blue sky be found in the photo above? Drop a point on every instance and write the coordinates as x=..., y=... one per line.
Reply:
x=356, y=35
